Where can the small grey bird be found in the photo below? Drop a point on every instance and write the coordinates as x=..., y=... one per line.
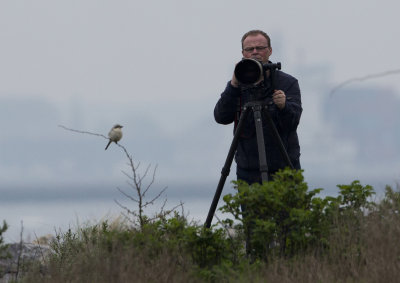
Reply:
x=115, y=135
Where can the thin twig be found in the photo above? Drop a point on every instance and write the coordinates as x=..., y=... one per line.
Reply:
x=83, y=132
x=128, y=196
x=164, y=213
x=126, y=208
x=40, y=246
x=127, y=175
x=367, y=77
x=21, y=243
x=156, y=197
x=152, y=180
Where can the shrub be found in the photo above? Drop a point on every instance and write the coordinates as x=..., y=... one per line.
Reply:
x=282, y=218
x=4, y=254
x=3, y=247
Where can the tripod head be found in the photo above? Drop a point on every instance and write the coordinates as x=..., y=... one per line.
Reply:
x=250, y=71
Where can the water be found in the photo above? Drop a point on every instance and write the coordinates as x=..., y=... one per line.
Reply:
x=40, y=218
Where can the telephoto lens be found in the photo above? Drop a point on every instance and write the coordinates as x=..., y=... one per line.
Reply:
x=248, y=71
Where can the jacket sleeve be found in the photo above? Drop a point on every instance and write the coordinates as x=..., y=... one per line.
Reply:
x=226, y=107
x=289, y=116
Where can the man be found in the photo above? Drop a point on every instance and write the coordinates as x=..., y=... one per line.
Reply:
x=284, y=106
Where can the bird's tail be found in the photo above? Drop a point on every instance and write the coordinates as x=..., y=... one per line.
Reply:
x=108, y=145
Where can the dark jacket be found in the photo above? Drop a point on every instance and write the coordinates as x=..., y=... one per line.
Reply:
x=286, y=121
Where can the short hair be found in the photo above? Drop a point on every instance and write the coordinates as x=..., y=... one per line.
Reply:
x=256, y=32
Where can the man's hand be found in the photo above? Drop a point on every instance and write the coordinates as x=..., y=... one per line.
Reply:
x=234, y=81
x=279, y=98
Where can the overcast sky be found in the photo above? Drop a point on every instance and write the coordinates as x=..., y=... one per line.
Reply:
x=158, y=68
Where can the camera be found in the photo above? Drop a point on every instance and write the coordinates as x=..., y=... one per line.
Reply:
x=251, y=71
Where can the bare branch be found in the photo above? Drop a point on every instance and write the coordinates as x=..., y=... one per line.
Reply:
x=367, y=77
x=152, y=180
x=156, y=197
x=128, y=196
x=125, y=208
x=83, y=132
x=163, y=205
x=127, y=175
x=40, y=247
x=135, y=181
x=176, y=207
x=20, y=249
x=163, y=213
x=131, y=184
x=144, y=176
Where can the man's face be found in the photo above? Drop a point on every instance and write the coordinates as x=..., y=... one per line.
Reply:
x=256, y=47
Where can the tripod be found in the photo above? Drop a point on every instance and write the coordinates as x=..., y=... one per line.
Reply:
x=260, y=110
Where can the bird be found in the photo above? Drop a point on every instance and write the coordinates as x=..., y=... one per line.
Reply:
x=115, y=134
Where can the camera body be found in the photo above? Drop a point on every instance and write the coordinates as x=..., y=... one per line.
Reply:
x=251, y=71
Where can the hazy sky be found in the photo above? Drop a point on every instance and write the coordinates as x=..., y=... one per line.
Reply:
x=158, y=68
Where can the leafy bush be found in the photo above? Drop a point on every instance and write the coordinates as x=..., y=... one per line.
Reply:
x=282, y=218
x=3, y=246
x=4, y=254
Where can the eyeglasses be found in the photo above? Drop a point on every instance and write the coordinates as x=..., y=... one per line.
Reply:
x=257, y=48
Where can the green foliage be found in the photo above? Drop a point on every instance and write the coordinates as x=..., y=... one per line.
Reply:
x=355, y=196
x=3, y=247
x=391, y=201
x=4, y=254
x=187, y=244
x=282, y=218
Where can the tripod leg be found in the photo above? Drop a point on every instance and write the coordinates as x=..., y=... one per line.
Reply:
x=278, y=139
x=226, y=169
x=260, y=142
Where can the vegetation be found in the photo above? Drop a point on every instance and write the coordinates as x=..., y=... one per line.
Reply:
x=3, y=247
x=292, y=235
x=4, y=254
x=282, y=218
